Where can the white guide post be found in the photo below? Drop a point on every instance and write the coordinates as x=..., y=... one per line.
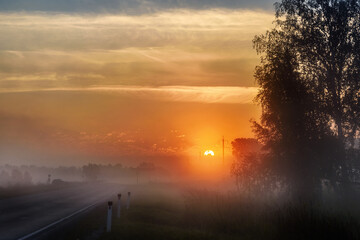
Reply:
x=108, y=223
x=119, y=205
x=128, y=201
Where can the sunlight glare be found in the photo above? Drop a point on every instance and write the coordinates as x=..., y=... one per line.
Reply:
x=209, y=152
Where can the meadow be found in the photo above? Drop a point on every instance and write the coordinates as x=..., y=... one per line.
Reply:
x=176, y=212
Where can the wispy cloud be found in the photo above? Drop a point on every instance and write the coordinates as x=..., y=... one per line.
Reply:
x=144, y=70
x=224, y=94
x=30, y=31
x=176, y=47
x=133, y=7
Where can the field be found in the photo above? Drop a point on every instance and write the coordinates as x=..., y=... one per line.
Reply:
x=173, y=212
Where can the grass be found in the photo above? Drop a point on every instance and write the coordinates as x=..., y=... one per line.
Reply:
x=155, y=213
x=251, y=218
x=165, y=212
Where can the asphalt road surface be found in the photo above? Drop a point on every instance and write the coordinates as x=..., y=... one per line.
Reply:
x=21, y=216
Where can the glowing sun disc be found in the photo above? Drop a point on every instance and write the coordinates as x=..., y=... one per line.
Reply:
x=209, y=152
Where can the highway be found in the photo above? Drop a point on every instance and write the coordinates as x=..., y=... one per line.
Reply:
x=22, y=217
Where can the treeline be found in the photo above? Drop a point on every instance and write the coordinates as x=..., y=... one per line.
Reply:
x=309, y=91
x=11, y=175
x=144, y=172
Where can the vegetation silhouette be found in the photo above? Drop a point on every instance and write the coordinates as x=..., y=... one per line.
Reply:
x=248, y=167
x=309, y=93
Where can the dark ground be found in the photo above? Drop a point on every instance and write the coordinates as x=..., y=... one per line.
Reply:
x=22, y=215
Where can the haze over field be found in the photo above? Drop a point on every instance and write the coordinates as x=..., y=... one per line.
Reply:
x=189, y=119
x=127, y=81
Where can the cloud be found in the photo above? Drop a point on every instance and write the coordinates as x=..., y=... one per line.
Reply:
x=82, y=69
x=133, y=7
x=208, y=28
x=240, y=95
x=178, y=47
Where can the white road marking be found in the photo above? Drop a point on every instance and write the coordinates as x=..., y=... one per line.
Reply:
x=56, y=222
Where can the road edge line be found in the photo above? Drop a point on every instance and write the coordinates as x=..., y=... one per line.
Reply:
x=56, y=222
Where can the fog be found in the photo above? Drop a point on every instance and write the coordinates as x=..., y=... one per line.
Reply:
x=12, y=176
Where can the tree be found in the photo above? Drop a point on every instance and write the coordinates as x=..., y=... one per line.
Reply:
x=91, y=172
x=146, y=166
x=287, y=120
x=326, y=36
x=16, y=176
x=247, y=167
x=309, y=90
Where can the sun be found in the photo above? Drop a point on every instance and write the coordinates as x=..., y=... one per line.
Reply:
x=209, y=152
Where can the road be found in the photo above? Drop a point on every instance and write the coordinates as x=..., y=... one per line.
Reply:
x=20, y=216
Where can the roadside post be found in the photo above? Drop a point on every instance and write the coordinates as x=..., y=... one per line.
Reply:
x=128, y=200
x=108, y=224
x=119, y=205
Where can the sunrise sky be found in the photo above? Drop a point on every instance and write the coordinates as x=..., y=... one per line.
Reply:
x=126, y=81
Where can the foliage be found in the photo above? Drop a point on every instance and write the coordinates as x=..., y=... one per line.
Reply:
x=309, y=91
x=146, y=166
x=91, y=172
x=248, y=168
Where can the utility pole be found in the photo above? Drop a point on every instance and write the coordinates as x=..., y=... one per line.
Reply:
x=223, y=151
x=223, y=156
x=128, y=201
x=137, y=176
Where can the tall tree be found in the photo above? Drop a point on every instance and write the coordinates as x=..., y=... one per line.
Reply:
x=326, y=35
x=309, y=89
x=286, y=119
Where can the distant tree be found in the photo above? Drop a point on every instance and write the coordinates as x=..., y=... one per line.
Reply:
x=27, y=178
x=91, y=172
x=146, y=166
x=118, y=166
x=309, y=90
x=4, y=178
x=246, y=167
x=16, y=176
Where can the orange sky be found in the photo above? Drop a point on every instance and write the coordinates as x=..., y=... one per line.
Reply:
x=162, y=87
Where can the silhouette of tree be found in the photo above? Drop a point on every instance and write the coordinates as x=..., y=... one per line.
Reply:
x=4, y=178
x=27, y=178
x=146, y=166
x=91, y=172
x=244, y=146
x=309, y=90
x=247, y=167
x=16, y=176
x=326, y=34
x=286, y=122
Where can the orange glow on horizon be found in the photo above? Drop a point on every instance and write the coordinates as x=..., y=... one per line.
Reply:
x=164, y=95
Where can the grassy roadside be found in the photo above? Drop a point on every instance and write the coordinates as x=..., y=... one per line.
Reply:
x=156, y=212
x=172, y=213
